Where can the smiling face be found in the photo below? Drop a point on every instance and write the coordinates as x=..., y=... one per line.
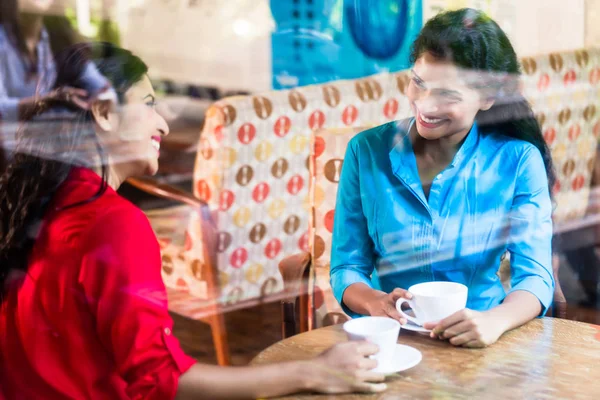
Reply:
x=131, y=134
x=442, y=98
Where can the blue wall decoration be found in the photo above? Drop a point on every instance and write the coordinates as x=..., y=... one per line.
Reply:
x=317, y=41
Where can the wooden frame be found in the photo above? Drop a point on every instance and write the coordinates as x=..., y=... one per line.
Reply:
x=212, y=310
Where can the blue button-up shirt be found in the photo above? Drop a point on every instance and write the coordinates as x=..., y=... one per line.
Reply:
x=493, y=197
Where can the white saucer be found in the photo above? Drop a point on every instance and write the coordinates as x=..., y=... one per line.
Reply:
x=411, y=326
x=405, y=357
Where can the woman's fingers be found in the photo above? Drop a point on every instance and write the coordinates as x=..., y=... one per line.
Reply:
x=75, y=91
x=367, y=364
x=446, y=323
x=366, y=348
x=400, y=293
x=370, y=387
x=395, y=295
x=463, y=338
x=370, y=376
x=79, y=102
x=455, y=330
x=392, y=312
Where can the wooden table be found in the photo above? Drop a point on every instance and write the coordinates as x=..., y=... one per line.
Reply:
x=545, y=359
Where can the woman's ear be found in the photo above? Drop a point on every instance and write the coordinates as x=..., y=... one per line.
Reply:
x=102, y=110
x=486, y=104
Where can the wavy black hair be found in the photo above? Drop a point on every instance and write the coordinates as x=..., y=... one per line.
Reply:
x=49, y=146
x=471, y=40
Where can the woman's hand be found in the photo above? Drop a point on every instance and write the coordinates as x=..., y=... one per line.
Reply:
x=345, y=368
x=468, y=328
x=384, y=304
x=76, y=97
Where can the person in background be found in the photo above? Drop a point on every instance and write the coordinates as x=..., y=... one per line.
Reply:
x=83, y=309
x=442, y=196
x=30, y=41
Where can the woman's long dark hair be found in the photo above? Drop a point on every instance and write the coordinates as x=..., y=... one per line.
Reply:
x=49, y=146
x=60, y=32
x=471, y=40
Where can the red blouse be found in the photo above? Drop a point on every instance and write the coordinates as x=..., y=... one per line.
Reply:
x=90, y=319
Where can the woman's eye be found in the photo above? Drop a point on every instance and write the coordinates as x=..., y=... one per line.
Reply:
x=151, y=103
x=449, y=97
x=418, y=82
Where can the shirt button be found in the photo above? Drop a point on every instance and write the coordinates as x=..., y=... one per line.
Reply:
x=167, y=331
x=439, y=176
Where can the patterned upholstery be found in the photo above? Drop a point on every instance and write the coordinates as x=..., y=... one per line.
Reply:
x=182, y=261
x=255, y=152
x=564, y=91
x=252, y=169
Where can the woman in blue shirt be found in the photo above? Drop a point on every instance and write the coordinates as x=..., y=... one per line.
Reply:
x=442, y=196
x=32, y=76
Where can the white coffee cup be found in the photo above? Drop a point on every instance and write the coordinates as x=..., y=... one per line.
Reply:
x=382, y=331
x=434, y=301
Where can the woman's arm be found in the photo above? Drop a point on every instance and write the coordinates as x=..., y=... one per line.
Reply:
x=530, y=246
x=341, y=369
x=352, y=253
x=14, y=109
x=20, y=109
x=471, y=328
x=123, y=289
x=365, y=300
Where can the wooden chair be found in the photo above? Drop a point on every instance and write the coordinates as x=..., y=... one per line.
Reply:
x=181, y=302
x=211, y=307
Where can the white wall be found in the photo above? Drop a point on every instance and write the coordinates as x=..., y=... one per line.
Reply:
x=534, y=26
x=222, y=43
x=226, y=43
x=592, y=24
x=543, y=26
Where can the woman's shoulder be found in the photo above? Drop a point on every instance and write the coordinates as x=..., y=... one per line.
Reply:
x=106, y=217
x=116, y=222
x=112, y=204
x=506, y=147
x=382, y=137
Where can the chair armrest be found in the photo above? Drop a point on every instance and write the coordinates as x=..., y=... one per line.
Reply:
x=559, y=303
x=559, y=309
x=295, y=271
x=207, y=225
x=165, y=191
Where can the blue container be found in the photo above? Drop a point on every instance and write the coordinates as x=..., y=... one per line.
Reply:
x=317, y=41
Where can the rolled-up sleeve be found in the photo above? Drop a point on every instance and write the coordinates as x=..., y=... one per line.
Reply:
x=121, y=278
x=530, y=237
x=352, y=252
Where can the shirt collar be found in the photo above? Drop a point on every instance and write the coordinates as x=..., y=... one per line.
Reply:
x=402, y=145
x=467, y=147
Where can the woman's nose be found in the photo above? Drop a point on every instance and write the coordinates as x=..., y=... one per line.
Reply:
x=427, y=104
x=162, y=125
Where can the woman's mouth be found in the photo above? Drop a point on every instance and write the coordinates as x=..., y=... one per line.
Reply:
x=156, y=142
x=430, y=122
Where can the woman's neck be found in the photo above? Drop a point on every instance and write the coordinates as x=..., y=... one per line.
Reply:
x=30, y=26
x=117, y=174
x=440, y=150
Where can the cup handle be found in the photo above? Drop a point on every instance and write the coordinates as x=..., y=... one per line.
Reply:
x=402, y=313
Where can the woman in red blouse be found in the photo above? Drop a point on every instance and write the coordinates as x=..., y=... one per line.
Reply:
x=83, y=312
